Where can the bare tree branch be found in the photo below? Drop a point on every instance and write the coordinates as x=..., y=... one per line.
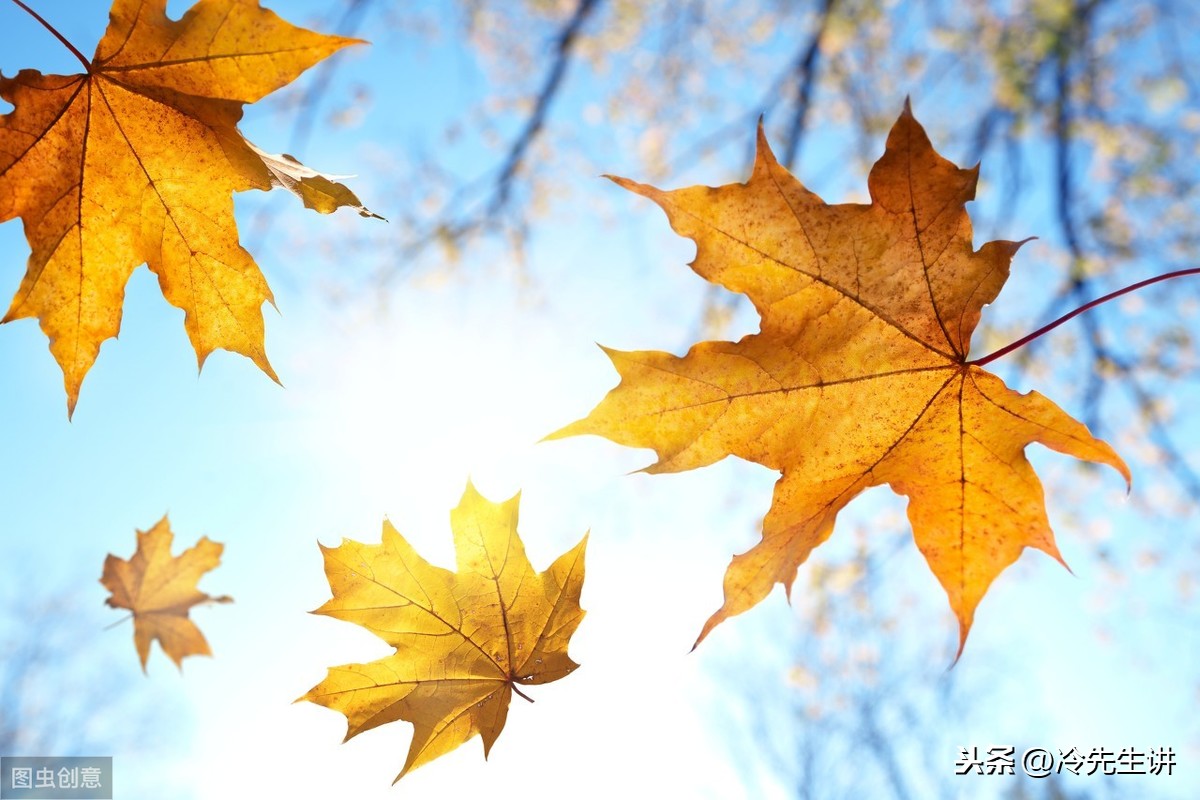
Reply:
x=309, y=102
x=560, y=60
x=450, y=226
x=806, y=69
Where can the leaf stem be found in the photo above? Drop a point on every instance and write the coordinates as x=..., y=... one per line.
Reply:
x=87, y=64
x=517, y=689
x=1024, y=340
x=118, y=622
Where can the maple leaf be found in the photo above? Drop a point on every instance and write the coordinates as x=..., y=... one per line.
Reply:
x=160, y=590
x=135, y=161
x=465, y=640
x=859, y=375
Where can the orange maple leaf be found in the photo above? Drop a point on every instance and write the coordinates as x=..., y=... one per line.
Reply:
x=135, y=161
x=859, y=375
x=465, y=640
x=160, y=590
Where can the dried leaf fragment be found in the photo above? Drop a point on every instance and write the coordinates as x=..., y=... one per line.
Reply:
x=465, y=640
x=160, y=590
x=316, y=190
x=859, y=375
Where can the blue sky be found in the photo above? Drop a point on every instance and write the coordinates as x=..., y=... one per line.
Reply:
x=391, y=402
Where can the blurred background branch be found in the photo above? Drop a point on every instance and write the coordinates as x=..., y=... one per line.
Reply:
x=1084, y=107
x=1085, y=115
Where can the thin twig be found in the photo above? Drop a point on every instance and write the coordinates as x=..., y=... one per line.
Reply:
x=806, y=70
x=563, y=51
x=346, y=26
x=497, y=202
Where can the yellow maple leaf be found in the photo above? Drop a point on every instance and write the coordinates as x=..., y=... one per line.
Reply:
x=135, y=161
x=859, y=375
x=465, y=640
x=160, y=590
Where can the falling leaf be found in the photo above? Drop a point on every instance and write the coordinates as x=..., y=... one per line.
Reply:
x=135, y=162
x=160, y=590
x=465, y=640
x=859, y=375
x=316, y=190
